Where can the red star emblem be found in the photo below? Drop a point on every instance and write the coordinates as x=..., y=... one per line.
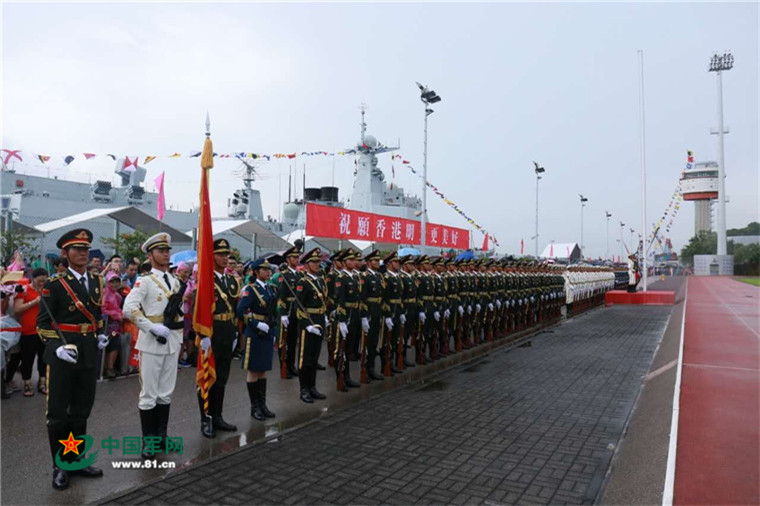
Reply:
x=71, y=444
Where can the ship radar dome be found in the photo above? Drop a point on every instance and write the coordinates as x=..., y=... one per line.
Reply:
x=290, y=212
x=370, y=141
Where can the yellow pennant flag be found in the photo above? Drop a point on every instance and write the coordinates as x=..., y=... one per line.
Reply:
x=175, y=155
x=149, y=159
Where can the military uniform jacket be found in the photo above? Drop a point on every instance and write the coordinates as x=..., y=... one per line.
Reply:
x=393, y=295
x=227, y=290
x=285, y=297
x=65, y=310
x=409, y=291
x=312, y=294
x=144, y=306
x=257, y=304
x=330, y=280
x=347, y=296
x=373, y=286
x=425, y=293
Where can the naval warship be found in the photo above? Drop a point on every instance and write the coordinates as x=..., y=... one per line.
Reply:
x=32, y=200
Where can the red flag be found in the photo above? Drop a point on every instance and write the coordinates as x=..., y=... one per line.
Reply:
x=292, y=155
x=203, y=312
x=485, y=243
x=522, y=246
x=88, y=155
x=551, y=250
x=128, y=163
x=161, y=202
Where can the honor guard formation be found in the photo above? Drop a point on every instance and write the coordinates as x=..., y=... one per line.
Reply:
x=380, y=314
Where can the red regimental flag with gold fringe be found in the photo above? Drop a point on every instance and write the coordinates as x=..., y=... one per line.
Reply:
x=203, y=312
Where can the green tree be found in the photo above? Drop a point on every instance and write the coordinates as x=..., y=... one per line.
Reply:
x=752, y=229
x=128, y=244
x=705, y=243
x=17, y=239
x=748, y=254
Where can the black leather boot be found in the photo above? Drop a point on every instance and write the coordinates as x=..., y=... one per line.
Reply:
x=162, y=422
x=207, y=427
x=147, y=423
x=254, y=397
x=371, y=374
x=347, y=378
x=315, y=394
x=406, y=362
x=263, y=398
x=218, y=421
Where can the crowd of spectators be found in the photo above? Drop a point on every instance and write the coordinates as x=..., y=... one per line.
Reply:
x=21, y=283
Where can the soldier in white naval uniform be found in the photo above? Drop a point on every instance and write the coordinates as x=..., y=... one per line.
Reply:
x=158, y=345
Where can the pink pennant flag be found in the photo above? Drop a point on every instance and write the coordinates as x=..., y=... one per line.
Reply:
x=484, y=247
x=88, y=155
x=522, y=246
x=551, y=250
x=161, y=202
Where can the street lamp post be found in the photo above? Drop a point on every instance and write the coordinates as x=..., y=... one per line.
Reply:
x=622, y=225
x=427, y=96
x=608, y=215
x=583, y=204
x=539, y=170
x=718, y=64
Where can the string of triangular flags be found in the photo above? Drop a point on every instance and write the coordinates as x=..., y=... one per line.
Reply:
x=448, y=202
x=12, y=155
x=676, y=199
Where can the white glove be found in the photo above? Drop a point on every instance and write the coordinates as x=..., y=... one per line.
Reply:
x=422, y=317
x=365, y=324
x=446, y=313
x=313, y=329
x=327, y=321
x=205, y=344
x=102, y=341
x=343, y=328
x=490, y=306
x=263, y=327
x=469, y=309
x=389, y=323
x=477, y=308
x=234, y=345
x=532, y=298
x=285, y=321
x=402, y=319
x=460, y=309
x=65, y=355
x=160, y=330
x=437, y=316
x=498, y=303
x=333, y=313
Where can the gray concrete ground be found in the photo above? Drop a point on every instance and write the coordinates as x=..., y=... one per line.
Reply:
x=539, y=424
x=26, y=464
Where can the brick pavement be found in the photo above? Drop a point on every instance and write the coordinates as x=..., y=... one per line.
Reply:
x=537, y=424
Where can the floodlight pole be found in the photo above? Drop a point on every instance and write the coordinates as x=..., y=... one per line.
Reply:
x=718, y=64
x=423, y=237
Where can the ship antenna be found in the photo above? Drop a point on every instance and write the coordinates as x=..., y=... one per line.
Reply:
x=364, y=125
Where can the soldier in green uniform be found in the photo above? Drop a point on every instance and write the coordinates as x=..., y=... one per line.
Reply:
x=311, y=294
x=330, y=280
x=409, y=300
x=425, y=298
x=347, y=318
x=287, y=311
x=373, y=286
x=394, y=314
x=227, y=290
x=70, y=324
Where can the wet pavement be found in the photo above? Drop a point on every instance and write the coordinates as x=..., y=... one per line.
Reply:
x=26, y=464
x=536, y=424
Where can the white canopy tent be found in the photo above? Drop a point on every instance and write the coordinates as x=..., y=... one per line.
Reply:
x=562, y=251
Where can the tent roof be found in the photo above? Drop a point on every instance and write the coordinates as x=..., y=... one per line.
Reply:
x=128, y=215
x=265, y=239
x=560, y=250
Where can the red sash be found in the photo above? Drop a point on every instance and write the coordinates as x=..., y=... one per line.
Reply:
x=79, y=305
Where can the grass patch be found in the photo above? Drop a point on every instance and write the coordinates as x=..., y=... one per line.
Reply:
x=752, y=281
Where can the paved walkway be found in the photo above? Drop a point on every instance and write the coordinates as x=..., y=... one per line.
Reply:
x=538, y=424
x=718, y=448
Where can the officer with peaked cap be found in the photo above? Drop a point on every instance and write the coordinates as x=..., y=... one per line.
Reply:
x=288, y=338
x=227, y=290
x=409, y=300
x=347, y=316
x=159, y=341
x=311, y=293
x=394, y=317
x=70, y=324
x=373, y=286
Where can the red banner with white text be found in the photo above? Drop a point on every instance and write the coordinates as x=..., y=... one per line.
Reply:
x=339, y=223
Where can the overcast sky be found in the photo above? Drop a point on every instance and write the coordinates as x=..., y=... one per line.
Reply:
x=551, y=82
